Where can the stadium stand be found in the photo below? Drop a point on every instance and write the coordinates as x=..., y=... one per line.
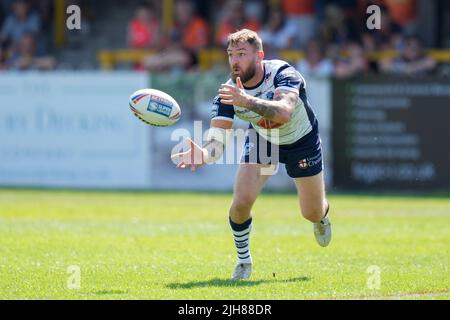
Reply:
x=148, y=35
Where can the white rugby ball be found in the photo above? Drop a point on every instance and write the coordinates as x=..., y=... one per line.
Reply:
x=155, y=107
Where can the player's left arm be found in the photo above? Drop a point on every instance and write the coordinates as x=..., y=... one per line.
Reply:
x=279, y=110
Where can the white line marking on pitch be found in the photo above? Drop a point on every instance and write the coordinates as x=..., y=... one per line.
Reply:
x=408, y=295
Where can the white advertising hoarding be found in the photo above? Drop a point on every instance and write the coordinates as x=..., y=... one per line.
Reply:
x=72, y=130
x=75, y=130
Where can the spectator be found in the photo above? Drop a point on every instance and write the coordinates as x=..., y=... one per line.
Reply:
x=389, y=35
x=25, y=56
x=277, y=34
x=412, y=60
x=315, y=62
x=18, y=23
x=3, y=65
x=191, y=29
x=179, y=50
x=173, y=58
x=77, y=40
x=144, y=29
x=336, y=29
x=403, y=13
x=301, y=19
x=255, y=10
x=234, y=19
x=2, y=15
x=44, y=8
x=354, y=63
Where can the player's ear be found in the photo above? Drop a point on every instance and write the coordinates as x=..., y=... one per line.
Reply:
x=260, y=54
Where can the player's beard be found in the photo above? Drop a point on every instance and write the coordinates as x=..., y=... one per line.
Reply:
x=245, y=75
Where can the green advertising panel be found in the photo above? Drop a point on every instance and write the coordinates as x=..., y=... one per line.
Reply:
x=391, y=133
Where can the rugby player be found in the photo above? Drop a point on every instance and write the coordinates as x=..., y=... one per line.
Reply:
x=271, y=96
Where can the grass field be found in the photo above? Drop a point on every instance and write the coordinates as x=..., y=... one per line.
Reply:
x=179, y=246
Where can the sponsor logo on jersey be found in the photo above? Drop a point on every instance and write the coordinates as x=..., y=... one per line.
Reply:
x=269, y=95
x=309, y=162
x=303, y=164
x=268, y=124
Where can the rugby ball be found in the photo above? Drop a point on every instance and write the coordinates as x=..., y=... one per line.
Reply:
x=155, y=107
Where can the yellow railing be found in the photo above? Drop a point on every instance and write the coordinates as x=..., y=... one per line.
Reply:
x=59, y=25
x=109, y=58
x=209, y=58
x=438, y=55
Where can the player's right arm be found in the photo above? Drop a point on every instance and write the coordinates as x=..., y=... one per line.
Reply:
x=215, y=144
x=211, y=151
x=220, y=128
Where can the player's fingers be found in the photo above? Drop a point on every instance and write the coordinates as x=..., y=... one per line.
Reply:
x=225, y=94
x=227, y=86
x=230, y=102
x=193, y=153
x=176, y=156
x=181, y=165
x=239, y=83
x=194, y=146
x=191, y=143
x=225, y=97
x=193, y=168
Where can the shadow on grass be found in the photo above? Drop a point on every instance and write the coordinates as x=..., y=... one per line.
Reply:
x=230, y=283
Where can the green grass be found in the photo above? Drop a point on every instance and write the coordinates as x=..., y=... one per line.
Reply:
x=179, y=246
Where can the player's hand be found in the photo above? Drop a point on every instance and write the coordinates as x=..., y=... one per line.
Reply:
x=194, y=157
x=235, y=96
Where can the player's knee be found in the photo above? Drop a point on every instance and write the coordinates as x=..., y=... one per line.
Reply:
x=240, y=208
x=313, y=214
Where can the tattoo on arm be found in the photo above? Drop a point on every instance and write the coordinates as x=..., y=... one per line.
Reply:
x=262, y=107
x=283, y=102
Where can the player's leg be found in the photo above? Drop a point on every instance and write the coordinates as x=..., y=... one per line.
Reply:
x=248, y=184
x=314, y=206
x=311, y=192
x=304, y=164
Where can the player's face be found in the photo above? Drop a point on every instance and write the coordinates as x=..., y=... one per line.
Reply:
x=242, y=58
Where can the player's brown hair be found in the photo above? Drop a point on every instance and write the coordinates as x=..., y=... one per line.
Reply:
x=245, y=35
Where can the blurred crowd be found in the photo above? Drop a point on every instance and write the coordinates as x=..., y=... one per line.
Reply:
x=332, y=34
x=23, y=41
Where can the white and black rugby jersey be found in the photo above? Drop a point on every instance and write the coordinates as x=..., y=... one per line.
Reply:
x=278, y=75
